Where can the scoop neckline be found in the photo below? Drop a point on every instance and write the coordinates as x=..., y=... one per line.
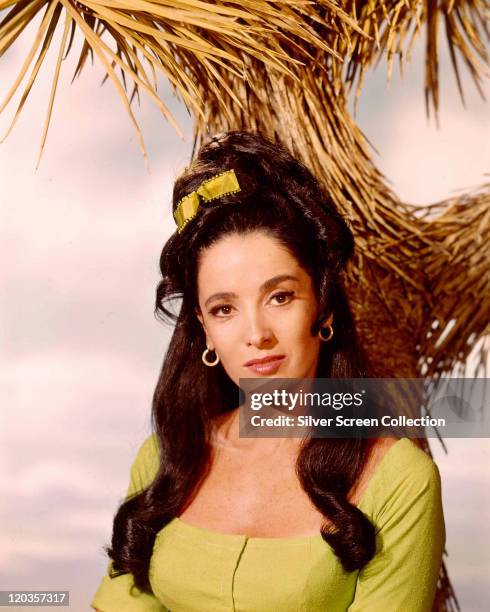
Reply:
x=213, y=535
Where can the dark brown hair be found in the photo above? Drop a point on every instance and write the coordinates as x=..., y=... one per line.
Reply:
x=280, y=197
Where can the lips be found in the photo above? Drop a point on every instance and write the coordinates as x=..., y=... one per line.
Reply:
x=264, y=360
x=266, y=366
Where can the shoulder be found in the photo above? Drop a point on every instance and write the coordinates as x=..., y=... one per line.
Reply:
x=145, y=465
x=410, y=533
x=406, y=460
x=148, y=449
x=408, y=477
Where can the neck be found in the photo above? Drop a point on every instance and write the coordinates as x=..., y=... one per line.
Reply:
x=226, y=436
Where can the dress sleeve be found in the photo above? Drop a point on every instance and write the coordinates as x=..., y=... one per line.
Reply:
x=410, y=538
x=120, y=594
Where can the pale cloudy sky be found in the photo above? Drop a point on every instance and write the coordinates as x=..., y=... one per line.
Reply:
x=81, y=349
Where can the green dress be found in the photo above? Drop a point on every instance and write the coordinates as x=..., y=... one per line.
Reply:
x=194, y=569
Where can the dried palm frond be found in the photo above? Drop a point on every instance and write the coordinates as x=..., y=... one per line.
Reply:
x=155, y=35
x=394, y=25
x=190, y=41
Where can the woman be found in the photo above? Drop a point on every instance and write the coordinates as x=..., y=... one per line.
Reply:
x=215, y=522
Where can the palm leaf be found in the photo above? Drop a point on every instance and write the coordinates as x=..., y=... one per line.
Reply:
x=466, y=29
x=189, y=41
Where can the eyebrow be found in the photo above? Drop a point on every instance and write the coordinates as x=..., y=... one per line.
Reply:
x=268, y=284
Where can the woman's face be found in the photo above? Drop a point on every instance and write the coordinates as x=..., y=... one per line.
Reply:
x=256, y=302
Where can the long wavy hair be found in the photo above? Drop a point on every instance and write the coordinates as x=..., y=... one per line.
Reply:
x=281, y=197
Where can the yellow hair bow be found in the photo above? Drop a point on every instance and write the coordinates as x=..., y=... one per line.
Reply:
x=217, y=186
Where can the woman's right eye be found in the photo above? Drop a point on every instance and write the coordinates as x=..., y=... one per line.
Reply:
x=214, y=311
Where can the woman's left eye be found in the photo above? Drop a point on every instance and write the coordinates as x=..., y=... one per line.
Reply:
x=284, y=296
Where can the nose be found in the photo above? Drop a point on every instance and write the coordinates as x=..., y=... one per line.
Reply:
x=257, y=330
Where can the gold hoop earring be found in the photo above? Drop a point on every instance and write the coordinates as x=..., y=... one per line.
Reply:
x=205, y=355
x=330, y=333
